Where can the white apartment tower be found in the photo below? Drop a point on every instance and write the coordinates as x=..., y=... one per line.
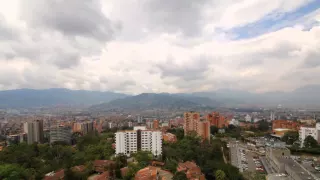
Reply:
x=309, y=131
x=128, y=142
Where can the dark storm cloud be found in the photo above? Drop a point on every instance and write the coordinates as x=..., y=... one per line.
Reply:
x=187, y=72
x=72, y=18
x=176, y=16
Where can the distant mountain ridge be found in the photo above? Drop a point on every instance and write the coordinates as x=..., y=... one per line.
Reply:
x=25, y=98
x=308, y=96
x=155, y=101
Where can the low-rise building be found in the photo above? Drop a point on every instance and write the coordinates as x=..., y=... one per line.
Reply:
x=58, y=175
x=192, y=171
x=281, y=162
x=153, y=173
x=285, y=124
x=102, y=165
x=169, y=137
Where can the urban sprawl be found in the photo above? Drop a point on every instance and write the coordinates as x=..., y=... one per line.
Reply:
x=227, y=144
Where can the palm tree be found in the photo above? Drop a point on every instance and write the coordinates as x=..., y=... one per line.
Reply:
x=220, y=175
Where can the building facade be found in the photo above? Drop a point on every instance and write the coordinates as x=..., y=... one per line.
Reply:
x=128, y=142
x=309, y=131
x=83, y=127
x=217, y=120
x=60, y=134
x=156, y=124
x=285, y=124
x=34, y=131
x=203, y=129
x=192, y=123
x=191, y=120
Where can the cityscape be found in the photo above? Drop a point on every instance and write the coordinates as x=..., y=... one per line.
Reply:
x=160, y=90
x=239, y=144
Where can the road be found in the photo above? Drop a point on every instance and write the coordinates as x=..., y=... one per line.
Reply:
x=311, y=169
x=251, y=164
x=267, y=166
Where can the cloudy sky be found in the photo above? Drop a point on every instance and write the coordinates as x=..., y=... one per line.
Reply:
x=135, y=46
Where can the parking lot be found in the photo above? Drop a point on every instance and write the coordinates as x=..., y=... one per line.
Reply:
x=245, y=160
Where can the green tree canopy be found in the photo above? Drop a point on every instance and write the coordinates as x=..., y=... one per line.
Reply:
x=290, y=137
x=310, y=142
x=179, y=176
x=263, y=125
x=11, y=171
x=214, y=130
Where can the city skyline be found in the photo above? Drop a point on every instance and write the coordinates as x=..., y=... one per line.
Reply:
x=181, y=46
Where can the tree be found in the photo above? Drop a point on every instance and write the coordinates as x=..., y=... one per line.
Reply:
x=220, y=175
x=143, y=158
x=11, y=171
x=310, y=142
x=179, y=132
x=171, y=165
x=290, y=137
x=263, y=125
x=180, y=176
x=214, y=130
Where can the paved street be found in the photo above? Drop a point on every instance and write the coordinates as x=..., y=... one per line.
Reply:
x=311, y=169
x=251, y=164
x=266, y=165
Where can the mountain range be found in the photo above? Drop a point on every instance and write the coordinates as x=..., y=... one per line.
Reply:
x=26, y=98
x=307, y=96
x=157, y=101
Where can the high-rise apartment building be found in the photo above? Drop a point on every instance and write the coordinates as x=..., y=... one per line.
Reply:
x=192, y=123
x=156, y=124
x=203, y=129
x=217, y=120
x=60, y=134
x=34, y=131
x=149, y=124
x=191, y=120
x=83, y=127
x=128, y=142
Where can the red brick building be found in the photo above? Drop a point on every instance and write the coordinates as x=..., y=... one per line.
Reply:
x=217, y=120
x=193, y=172
x=192, y=123
x=169, y=137
x=156, y=124
x=285, y=124
x=102, y=165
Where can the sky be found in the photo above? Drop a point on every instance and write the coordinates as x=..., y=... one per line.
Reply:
x=175, y=46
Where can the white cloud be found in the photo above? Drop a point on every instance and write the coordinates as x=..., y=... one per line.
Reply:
x=149, y=53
